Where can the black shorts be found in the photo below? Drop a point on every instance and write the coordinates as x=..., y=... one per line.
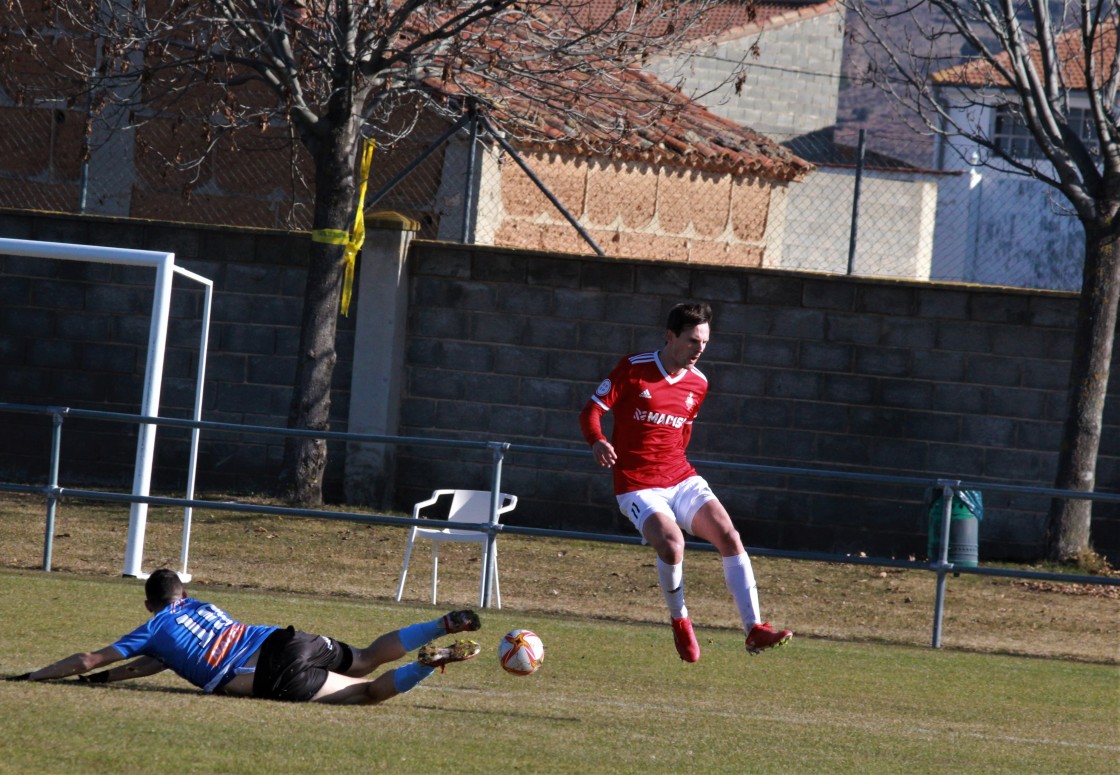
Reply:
x=293, y=665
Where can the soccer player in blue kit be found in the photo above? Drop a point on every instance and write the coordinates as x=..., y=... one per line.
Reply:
x=202, y=644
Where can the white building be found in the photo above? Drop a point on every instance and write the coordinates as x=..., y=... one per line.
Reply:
x=996, y=225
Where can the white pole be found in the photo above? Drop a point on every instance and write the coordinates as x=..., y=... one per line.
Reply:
x=200, y=380
x=164, y=264
x=96, y=253
x=146, y=440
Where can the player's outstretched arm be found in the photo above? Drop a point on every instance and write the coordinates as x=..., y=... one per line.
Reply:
x=137, y=668
x=75, y=664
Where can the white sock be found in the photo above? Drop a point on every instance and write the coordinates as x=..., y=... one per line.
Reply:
x=671, y=578
x=739, y=575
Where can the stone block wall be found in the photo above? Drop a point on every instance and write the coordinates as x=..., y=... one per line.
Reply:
x=809, y=372
x=634, y=209
x=75, y=334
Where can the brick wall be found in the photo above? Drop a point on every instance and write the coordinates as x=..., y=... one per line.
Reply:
x=806, y=371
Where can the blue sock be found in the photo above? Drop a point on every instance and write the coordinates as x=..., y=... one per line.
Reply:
x=416, y=635
x=407, y=676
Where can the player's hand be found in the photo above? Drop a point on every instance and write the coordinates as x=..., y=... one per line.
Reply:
x=95, y=678
x=22, y=677
x=604, y=454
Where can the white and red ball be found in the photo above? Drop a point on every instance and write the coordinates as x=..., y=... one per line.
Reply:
x=520, y=652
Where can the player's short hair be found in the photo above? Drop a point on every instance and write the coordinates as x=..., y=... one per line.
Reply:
x=688, y=315
x=162, y=588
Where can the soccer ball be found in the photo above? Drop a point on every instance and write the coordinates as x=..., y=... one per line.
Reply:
x=520, y=652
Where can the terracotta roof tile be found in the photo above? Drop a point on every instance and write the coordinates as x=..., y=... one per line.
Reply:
x=727, y=20
x=638, y=118
x=1071, y=53
x=735, y=19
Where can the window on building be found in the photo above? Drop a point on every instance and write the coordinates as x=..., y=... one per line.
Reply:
x=1013, y=138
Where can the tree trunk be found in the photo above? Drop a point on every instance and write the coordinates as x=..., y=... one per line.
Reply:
x=305, y=458
x=1067, y=532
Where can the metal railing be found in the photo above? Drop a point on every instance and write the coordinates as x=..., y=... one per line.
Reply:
x=942, y=567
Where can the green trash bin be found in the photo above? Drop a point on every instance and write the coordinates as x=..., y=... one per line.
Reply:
x=964, y=527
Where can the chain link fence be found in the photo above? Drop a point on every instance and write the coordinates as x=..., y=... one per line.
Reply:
x=861, y=211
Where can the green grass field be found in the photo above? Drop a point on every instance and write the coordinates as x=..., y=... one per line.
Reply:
x=611, y=698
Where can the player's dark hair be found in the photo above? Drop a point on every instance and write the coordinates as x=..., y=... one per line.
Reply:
x=162, y=588
x=688, y=315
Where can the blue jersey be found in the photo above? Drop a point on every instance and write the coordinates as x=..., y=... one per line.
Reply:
x=198, y=640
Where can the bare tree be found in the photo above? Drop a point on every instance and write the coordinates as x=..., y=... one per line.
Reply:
x=333, y=71
x=1051, y=67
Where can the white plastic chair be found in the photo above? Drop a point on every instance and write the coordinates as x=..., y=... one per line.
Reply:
x=466, y=506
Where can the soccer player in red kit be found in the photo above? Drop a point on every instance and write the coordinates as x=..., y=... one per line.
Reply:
x=655, y=397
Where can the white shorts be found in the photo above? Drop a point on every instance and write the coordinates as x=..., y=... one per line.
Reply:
x=681, y=502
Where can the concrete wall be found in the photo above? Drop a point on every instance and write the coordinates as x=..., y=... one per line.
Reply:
x=792, y=77
x=76, y=334
x=895, y=228
x=807, y=371
x=996, y=227
x=898, y=378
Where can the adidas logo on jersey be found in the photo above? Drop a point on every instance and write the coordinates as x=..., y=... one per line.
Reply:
x=644, y=394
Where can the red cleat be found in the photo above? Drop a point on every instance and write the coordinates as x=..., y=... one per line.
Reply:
x=685, y=640
x=763, y=636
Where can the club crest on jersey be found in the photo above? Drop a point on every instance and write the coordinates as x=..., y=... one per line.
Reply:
x=658, y=418
x=690, y=401
x=604, y=388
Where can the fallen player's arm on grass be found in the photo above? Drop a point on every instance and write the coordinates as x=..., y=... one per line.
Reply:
x=137, y=668
x=76, y=664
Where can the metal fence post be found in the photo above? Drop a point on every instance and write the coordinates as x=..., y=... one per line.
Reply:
x=854, y=231
x=52, y=489
x=499, y=451
x=942, y=566
x=468, y=183
x=377, y=196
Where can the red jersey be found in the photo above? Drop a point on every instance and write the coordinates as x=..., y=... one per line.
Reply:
x=653, y=414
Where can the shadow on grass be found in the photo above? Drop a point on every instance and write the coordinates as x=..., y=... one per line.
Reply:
x=119, y=686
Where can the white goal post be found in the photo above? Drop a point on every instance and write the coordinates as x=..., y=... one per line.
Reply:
x=165, y=269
